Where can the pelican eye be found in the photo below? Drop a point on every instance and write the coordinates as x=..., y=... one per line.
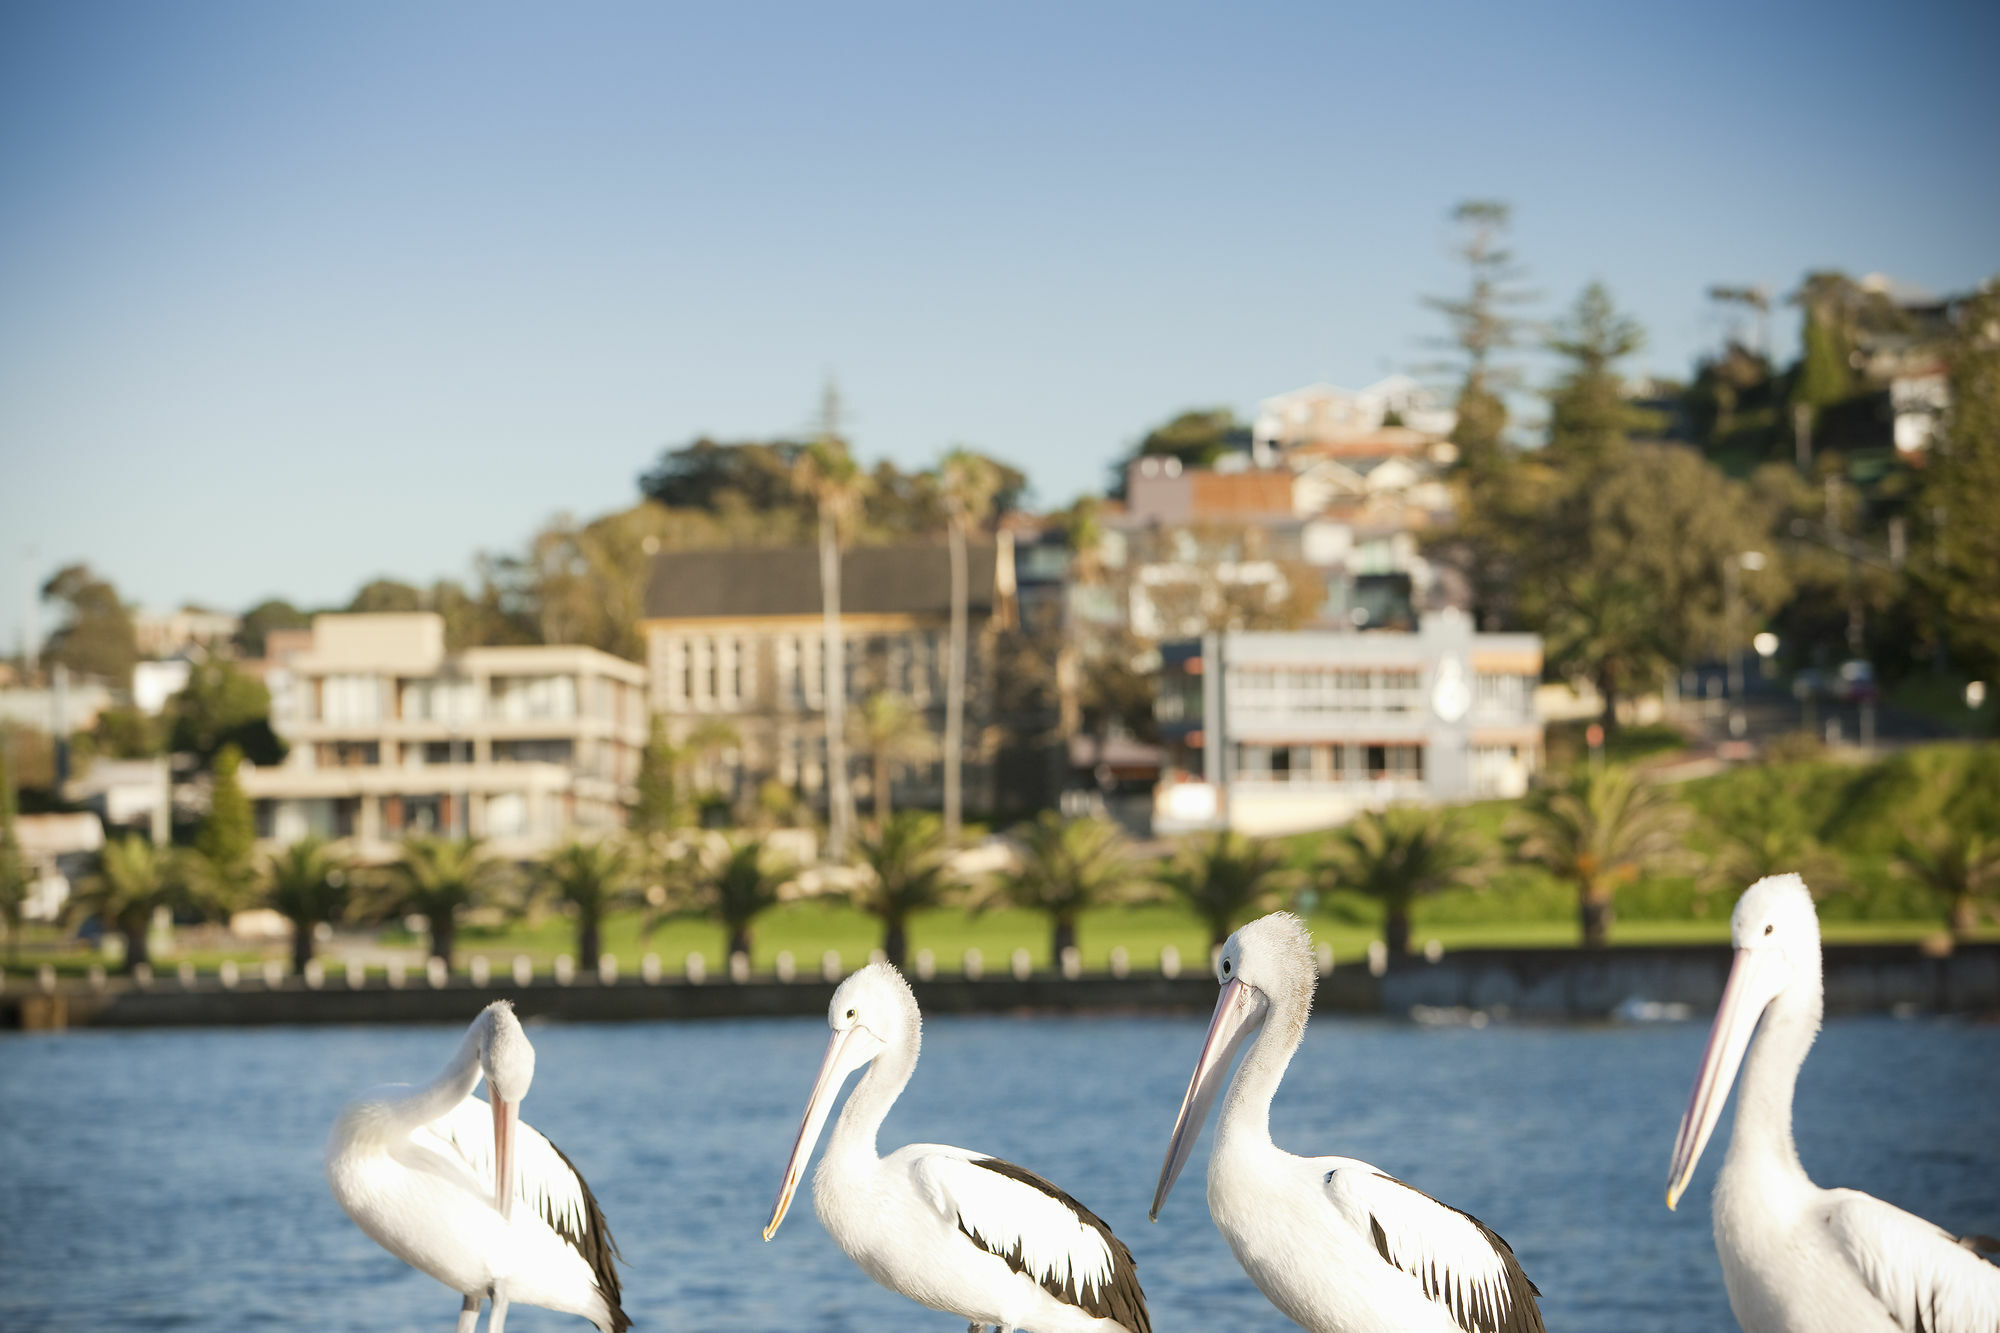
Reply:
x=1225, y=967
x=850, y=1013
x=1769, y=926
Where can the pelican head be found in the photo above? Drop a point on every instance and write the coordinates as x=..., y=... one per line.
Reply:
x=1775, y=931
x=508, y=1060
x=1266, y=965
x=871, y=1012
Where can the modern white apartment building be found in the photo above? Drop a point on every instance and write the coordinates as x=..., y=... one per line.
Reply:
x=391, y=735
x=1284, y=731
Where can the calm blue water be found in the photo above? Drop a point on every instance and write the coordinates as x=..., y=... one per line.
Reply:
x=172, y=1179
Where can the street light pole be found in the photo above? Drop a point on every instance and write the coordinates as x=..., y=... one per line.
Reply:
x=1752, y=561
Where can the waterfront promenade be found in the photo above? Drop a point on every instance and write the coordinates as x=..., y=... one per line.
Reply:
x=1469, y=985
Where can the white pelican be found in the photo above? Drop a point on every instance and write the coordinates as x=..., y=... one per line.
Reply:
x=415, y=1169
x=1335, y=1244
x=958, y=1231
x=1797, y=1258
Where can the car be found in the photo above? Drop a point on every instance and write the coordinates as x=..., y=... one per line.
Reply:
x=1855, y=682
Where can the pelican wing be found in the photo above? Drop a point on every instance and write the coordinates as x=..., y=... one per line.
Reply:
x=545, y=1180
x=1926, y=1279
x=1460, y=1264
x=1038, y=1230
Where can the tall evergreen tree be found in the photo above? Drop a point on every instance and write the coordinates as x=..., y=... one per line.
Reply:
x=1589, y=415
x=1484, y=324
x=1961, y=491
x=227, y=838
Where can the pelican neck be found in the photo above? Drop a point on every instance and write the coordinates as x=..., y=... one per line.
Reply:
x=1763, y=1129
x=450, y=1087
x=868, y=1105
x=1246, y=1115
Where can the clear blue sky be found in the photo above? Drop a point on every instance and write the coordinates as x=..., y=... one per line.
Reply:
x=292, y=295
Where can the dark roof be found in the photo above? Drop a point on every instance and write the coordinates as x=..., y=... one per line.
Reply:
x=874, y=580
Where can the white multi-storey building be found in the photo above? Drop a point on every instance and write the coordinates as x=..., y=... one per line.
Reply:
x=390, y=735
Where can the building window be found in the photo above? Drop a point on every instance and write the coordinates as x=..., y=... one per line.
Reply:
x=1395, y=763
x=351, y=699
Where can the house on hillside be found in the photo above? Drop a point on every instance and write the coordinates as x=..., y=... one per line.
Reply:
x=735, y=660
x=392, y=735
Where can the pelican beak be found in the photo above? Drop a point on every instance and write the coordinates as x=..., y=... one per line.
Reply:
x=1755, y=979
x=844, y=1054
x=1238, y=1012
x=506, y=1119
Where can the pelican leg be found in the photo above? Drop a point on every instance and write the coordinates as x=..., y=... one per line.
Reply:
x=497, y=1320
x=468, y=1315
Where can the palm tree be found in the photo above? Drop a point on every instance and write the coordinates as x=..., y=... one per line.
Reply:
x=734, y=881
x=1067, y=866
x=133, y=880
x=825, y=471
x=909, y=864
x=1398, y=855
x=307, y=883
x=1959, y=865
x=438, y=878
x=893, y=732
x=968, y=484
x=1600, y=829
x=1225, y=879
x=591, y=879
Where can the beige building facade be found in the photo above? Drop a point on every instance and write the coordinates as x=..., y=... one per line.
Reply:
x=391, y=736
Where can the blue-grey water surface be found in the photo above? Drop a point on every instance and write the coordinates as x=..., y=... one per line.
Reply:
x=172, y=1179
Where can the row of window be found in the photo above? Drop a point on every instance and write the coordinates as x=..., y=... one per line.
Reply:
x=353, y=699
x=1366, y=690
x=1329, y=763
x=720, y=672
x=616, y=762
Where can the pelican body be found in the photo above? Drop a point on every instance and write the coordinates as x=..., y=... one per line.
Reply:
x=1797, y=1258
x=465, y=1192
x=958, y=1231
x=1335, y=1244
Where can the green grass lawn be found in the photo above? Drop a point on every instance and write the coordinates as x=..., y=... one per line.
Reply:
x=808, y=929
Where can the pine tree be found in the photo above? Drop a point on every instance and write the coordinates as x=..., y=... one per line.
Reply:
x=1962, y=493
x=228, y=833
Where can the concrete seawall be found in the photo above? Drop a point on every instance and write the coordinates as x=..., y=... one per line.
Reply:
x=1527, y=983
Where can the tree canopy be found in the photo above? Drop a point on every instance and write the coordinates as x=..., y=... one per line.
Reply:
x=96, y=636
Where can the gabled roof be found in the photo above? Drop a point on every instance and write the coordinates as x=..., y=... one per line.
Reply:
x=874, y=580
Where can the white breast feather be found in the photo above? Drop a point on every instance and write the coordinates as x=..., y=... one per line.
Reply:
x=1440, y=1247
x=543, y=1181
x=1003, y=1213
x=1923, y=1277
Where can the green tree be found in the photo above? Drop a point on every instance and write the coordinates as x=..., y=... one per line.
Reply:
x=133, y=879
x=255, y=628
x=590, y=880
x=438, y=878
x=1066, y=867
x=661, y=805
x=308, y=883
x=1196, y=437
x=222, y=706
x=734, y=881
x=96, y=636
x=14, y=878
x=1590, y=417
x=1484, y=325
x=386, y=596
x=827, y=473
x=1961, y=494
x=1631, y=570
x=1960, y=866
x=968, y=483
x=1598, y=831
x=908, y=864
x=1399, y=855
x=1225, y=879
x=893, y=733
x=227, y=838
x=123, y=732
